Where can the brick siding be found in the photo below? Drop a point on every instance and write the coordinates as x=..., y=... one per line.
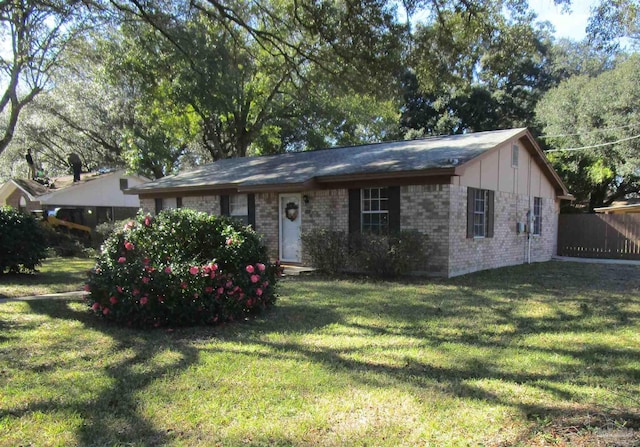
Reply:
x=507, y=247
x=439, y=211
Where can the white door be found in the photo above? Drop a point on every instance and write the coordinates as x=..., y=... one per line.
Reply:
x=290, y=219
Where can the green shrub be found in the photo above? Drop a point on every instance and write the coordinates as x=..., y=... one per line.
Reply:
x=389, y=255
x=63, y=244
x=181, y=268
x=104, y=230
x=327, y=249
x=22, y=241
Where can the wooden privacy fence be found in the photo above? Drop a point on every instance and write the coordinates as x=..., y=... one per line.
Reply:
x=614, y=236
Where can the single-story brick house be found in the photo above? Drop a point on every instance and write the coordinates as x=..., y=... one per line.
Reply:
x=471, y=194
x=98, y=197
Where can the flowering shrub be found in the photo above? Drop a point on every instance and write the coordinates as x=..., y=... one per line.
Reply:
x=181, y=268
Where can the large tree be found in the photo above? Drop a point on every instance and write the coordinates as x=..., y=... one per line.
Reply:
x=591, y=127
x=35, y=34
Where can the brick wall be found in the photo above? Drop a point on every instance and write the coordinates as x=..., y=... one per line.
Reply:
x=328, y=209
x=207, y=204
x=439, y=211
x=267, y=225
x=507, y=247
x=425, y=208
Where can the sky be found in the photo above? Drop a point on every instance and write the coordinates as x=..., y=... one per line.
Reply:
x=567, y=25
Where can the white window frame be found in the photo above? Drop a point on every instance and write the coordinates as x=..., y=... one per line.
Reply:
x=480, y=213
x=537, y=216
x=370, y=206
x=239, y=207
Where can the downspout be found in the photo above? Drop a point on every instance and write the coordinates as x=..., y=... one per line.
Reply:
x=529, y=218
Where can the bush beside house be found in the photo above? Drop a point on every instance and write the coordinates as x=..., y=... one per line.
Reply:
x=383, y=255
x=23, y=244
x=181, y=267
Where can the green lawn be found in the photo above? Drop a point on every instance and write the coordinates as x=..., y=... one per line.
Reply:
x=53, y=276
x=539, y=355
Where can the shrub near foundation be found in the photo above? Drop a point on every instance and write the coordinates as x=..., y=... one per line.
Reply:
x=23, y=244
x=181, y=268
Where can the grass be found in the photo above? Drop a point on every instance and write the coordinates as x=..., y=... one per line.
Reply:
x=53, y=276
x=539, y=355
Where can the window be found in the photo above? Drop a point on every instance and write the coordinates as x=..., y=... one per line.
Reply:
x=480, y=220
x=178, y=202
x=515, y=154
x=239, y=207
x=479, y=213
x=124, y=183
x=537, y=215
x=375, y=210
x=158, y=205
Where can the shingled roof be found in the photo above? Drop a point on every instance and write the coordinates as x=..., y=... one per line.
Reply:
x=430, y=156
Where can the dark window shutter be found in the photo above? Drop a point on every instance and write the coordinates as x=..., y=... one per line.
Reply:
x=251, y=209
x=394, y=209
x=158, y=206
x=224, y=205
x=178, y=202
x=490, y=212
x=470, y=209
x=354, y=211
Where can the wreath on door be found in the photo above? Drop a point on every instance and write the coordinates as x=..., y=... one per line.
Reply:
x=291, y=211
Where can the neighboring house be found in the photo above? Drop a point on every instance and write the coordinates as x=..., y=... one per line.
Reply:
x=471, y=194
x=631, y=206
x=97, y=198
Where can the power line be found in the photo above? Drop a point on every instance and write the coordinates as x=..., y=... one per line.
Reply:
x=585, y=133
x=593, y=146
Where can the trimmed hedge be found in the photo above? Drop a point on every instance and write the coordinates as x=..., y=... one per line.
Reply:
x=383, y=255
x=23, y=244
x=182, y=267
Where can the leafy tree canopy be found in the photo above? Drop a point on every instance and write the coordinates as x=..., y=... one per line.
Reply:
x=588, y=111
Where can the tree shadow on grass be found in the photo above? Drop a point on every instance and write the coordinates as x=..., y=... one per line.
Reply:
x=113, y=416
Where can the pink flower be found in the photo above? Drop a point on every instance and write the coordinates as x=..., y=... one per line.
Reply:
x=214, y=267
x=129, y=225
x=147, y=221
x=119, y=289
x=260, y=266
x=113, y=300
x=194, y=270
x=105, y=311
x=249, y=269
x=122, y=260
x=265, y=284
x=255, y=278
x=259, y=292
x=135, y=292
x=129, y=246
x=146, y=261
x=183, y=285
x=196, y=295
x=144, y=300
x=145, y=279
x=87, y=288
x=228, y=285
x=167, y=269
x=229, y=241
x=220, y=291
x=208, y=289
x=96, y=306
